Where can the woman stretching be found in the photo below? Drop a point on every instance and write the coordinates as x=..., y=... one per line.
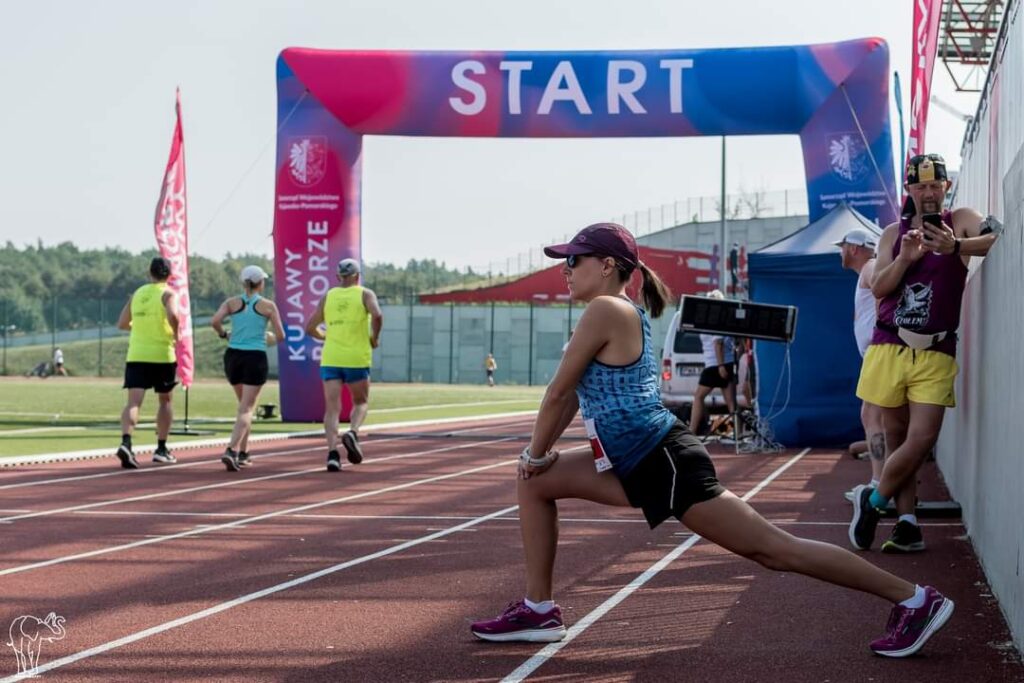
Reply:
x=644, y=457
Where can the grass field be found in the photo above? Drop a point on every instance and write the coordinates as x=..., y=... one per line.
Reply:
x=68, y=414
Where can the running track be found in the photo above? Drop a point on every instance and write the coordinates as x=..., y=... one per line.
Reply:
x=285, y=572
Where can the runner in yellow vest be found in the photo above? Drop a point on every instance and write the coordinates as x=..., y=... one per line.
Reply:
x=353, y=320
x=152, y=318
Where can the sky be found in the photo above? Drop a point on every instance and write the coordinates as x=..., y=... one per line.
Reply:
x=88, y=116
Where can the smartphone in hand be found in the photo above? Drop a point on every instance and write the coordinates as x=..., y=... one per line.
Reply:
x=934, y=219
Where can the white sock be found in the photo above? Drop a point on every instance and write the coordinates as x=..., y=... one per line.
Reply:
x=915, y=602
x=540, y=607
x=908, y=518
x=873, y=483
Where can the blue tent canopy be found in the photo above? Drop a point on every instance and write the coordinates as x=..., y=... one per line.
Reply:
x=804, y=270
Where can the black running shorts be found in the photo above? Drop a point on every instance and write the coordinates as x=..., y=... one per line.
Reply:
x=245, y=367
x=711, y=377
x=160, y=377
x=675, y=475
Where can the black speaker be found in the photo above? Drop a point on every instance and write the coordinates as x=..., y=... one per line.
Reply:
x=737, y=318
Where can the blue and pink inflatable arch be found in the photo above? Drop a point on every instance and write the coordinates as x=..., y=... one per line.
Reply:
x=835, y=96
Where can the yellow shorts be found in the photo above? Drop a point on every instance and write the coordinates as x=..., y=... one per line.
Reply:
x=893, y=375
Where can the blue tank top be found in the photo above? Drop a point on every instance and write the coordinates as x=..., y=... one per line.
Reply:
x=624, y=402
x=248, y=327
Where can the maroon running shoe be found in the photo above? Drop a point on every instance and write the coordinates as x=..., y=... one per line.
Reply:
x=520, y=623
x=909, y=629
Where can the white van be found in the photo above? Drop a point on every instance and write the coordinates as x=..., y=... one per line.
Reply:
x=682, y=361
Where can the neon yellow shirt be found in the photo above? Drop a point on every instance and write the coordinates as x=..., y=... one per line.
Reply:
x=152, y=339
x=348, y=329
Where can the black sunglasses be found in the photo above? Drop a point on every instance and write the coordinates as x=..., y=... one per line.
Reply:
x=573, y=260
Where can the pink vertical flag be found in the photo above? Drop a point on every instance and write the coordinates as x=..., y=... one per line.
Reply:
x=171, y=227
x=927, y=14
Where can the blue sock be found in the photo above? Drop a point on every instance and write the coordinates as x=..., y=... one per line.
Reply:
x=877, y=500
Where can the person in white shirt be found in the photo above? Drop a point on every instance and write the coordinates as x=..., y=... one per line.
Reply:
x=857, y=249
x=58, y=363
x=719, y=372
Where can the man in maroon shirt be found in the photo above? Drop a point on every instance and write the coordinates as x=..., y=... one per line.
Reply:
x=910, y=366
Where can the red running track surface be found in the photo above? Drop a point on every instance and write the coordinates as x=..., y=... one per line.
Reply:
x=285, y=572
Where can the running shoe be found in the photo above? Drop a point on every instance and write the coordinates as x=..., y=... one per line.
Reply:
x=351, y=443
x=127, y=457
x=909, y=629
x=244, y=459
x=905, y=538
x=865, y=518
x=230, y=460
x=333, y=461
x=520, y=623
x=163, y=457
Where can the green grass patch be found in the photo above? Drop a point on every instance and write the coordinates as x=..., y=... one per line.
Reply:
x=69, y=414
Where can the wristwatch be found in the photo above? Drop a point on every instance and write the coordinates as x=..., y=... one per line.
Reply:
x=526, y=459
x=991, y=224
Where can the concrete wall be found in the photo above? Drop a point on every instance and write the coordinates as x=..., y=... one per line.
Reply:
x=980, y=449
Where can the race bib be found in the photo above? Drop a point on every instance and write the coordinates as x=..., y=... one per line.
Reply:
x=601, y=461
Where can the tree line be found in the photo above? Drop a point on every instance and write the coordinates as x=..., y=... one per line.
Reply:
x=63, y=285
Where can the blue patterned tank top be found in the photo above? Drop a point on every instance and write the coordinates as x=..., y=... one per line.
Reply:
x=248, y=326
x=625, y=404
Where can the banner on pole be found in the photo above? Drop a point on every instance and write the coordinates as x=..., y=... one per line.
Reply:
x=171, y=228
x=924, y=47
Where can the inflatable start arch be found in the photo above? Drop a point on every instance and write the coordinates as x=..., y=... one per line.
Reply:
x=834, y=96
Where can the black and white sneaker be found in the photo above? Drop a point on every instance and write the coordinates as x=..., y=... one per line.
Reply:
x=905, y=538
x=230, y=460
x=163, y=456
x=334, y=461
x=127, y=457
x=865, y=518
x=244, y=459
x=351, y=443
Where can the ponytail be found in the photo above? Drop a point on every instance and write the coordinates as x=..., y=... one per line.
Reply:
x=655, y=294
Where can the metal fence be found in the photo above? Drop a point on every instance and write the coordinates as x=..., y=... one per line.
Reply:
x=444, y=343
x=84, y=328
x=448, y=343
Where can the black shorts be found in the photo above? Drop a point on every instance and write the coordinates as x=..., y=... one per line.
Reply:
x=675, y=475
x=160, y=377
x=710, y=377
x=245, y=367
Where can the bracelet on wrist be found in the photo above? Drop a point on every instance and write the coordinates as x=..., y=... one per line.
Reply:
x=527, y=459
x=956, y=246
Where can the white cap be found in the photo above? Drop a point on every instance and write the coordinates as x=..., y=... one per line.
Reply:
x=348, y=266
x=858, y=237
x=253, y=274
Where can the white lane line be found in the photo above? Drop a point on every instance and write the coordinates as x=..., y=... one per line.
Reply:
x=224, y=606
x=250, y=520
x=427, y=518
x=368, y=430
x=225, y=484
x=33, y=430
x=161, y=468
x=550, y=650
x=236, y=515
x=45, y=458
x=404, y=409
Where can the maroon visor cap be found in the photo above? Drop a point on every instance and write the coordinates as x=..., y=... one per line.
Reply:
x=605, y=239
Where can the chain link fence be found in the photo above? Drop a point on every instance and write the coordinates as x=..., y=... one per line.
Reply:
x=444, y=343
